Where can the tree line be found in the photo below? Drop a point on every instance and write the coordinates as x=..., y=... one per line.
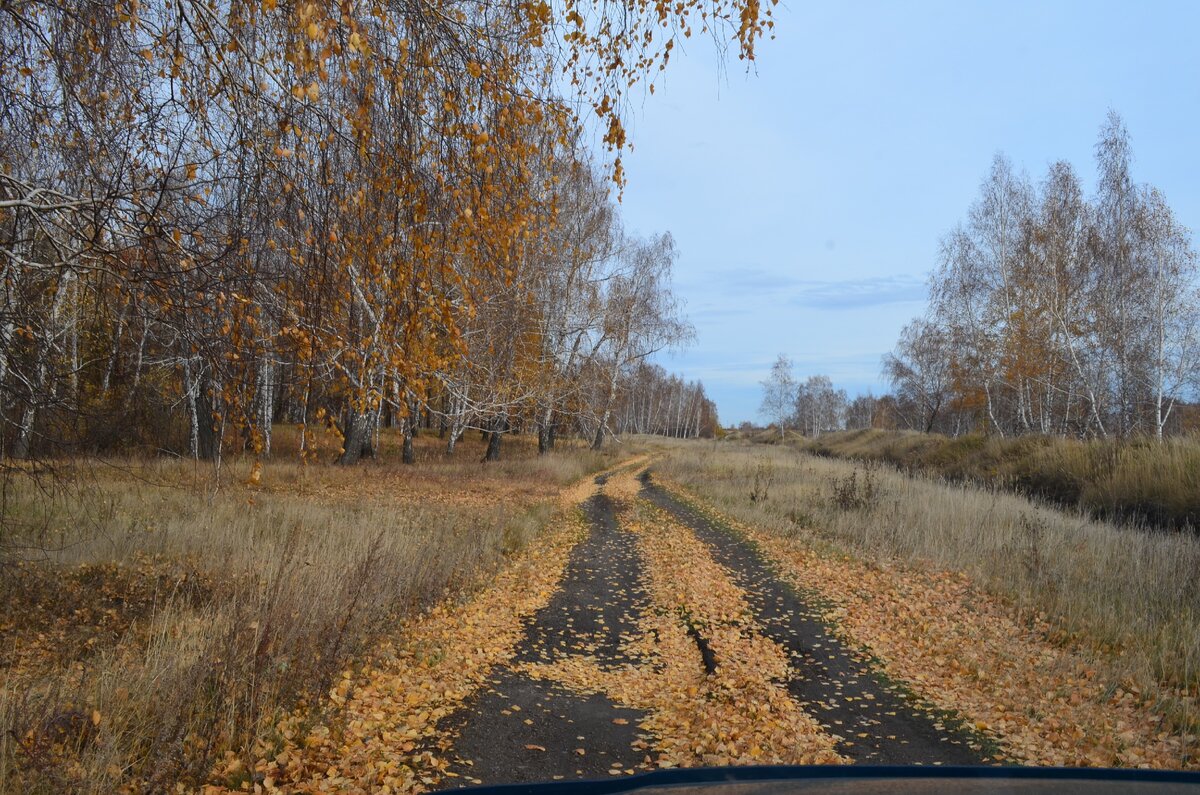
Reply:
x=219, y=215
x=812, y=406
x=1053, y=312
x=1049, y=312
x=655, y=402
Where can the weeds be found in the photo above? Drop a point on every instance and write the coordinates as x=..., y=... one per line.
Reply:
x=800, y=517
x=764, y=476
x=1032, y=548
x=854, y=494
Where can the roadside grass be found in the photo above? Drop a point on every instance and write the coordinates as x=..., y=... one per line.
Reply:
x=1129, y=598
x=157, y=615
x=1139, y=481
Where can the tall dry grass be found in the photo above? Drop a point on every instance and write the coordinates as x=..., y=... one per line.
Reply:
x=1139, y=481
x=211, y=607
x=1130, y=597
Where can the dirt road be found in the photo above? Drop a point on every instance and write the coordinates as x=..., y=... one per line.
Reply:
x=671, y=640
x=518, y=728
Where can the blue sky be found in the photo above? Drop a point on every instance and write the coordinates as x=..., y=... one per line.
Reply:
x=807, y=199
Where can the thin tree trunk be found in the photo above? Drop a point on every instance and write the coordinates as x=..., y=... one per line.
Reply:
x=38, y=389
x=410, y=432
x=208, y=439
x=545, y=434
x=138, y=363
x=191, y=387
x=115, y=350
x=266, y=402
x=6, y=335
x=409, y=456
x=457, y=425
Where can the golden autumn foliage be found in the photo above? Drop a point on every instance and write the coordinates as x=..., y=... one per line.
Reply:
x=222, y=207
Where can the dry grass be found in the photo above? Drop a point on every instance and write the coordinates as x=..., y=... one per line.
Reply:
x=1131, y=599
x=154, y=618
x=1141, y=481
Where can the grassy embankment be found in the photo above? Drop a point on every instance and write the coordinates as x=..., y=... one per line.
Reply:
x=151, y=621
x=1127, y=600
x=1139, y=481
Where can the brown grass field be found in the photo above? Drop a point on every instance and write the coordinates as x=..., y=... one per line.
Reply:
x=181, y=609
x=1138, y=481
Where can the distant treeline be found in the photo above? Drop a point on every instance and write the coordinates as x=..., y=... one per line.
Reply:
x=1053, y=313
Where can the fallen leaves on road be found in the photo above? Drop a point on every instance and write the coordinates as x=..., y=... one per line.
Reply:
x=740, y=713
x=623, y=485
x=581, y=491
x=965, y=651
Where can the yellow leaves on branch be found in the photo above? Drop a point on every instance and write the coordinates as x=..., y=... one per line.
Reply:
x=310, y=92
x=615, y=137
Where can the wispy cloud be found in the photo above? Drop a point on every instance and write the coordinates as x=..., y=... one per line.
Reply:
x=845, y=369
x=860, y=293
x=832, y=294
x=710, y=312
x=713, y=367
x=741, y=281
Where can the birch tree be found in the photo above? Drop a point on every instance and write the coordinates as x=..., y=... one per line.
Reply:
x=779, y=394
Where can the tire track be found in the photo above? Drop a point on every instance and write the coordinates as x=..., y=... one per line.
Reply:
x=520, y=729
x=878, y=722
